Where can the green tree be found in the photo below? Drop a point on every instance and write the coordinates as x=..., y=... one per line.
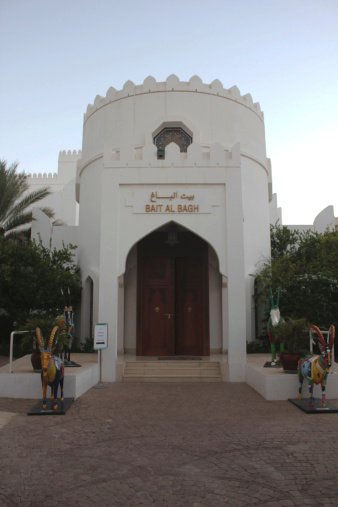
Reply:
x=283, y=240
x=314, y=296
x=31, y=278
x=304, y=265
x=15, y=201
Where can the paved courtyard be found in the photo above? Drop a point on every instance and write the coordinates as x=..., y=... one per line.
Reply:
x=169, y=445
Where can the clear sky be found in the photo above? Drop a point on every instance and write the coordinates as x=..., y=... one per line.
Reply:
x=57, y=55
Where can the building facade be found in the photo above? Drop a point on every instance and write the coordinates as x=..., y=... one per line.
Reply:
x=175, y=196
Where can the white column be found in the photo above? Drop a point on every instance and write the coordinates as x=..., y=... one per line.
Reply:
x=120, y=322
x=109, y=287
x=225, y=316
x=236, y=278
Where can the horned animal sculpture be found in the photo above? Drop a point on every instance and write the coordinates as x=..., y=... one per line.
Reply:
x=67, y=321
x=52, y=372
x=316, y=368
x=274, y=324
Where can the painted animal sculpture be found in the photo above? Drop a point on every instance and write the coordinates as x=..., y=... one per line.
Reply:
x=275, y=322
x=52, y=372
x=67, y=321
x=316, y=368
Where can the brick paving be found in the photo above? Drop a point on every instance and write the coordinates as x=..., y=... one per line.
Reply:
x=169, y=445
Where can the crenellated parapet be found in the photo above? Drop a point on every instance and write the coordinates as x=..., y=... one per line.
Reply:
x=69, y=152
x=69, y=155
x=65, y=157
x=173, y=84
x=42, y=176
x=196, y=156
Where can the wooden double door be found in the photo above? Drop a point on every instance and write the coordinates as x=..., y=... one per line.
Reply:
x=173, y=313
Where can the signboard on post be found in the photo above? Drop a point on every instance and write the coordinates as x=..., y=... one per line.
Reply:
x=100, y=336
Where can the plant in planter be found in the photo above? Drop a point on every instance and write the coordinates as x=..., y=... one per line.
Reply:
x=295, y=337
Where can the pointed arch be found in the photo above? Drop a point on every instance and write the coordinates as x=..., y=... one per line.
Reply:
x=213, y=335
x=89, y=303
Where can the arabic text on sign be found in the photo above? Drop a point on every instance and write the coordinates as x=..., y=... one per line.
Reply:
x=154, y=197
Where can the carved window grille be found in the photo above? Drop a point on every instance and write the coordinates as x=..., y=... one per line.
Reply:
x=173, y=135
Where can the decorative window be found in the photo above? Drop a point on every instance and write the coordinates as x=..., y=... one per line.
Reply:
x=172, y=135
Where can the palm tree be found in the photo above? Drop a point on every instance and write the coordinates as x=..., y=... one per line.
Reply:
x=15, y=201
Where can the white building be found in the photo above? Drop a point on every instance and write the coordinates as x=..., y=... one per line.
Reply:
x=325, y=220
x=175, y=199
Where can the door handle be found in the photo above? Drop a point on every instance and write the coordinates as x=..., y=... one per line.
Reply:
x=170, y=315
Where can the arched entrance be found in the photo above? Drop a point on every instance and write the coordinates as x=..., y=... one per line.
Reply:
x=172, y=295
x=87, y=304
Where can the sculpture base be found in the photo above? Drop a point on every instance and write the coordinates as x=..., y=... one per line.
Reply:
x=63, y=406
x=269, y=365
x=317, y=408
x=71, y=364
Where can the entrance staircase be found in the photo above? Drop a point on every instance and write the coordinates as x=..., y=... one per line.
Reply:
x=172, y=371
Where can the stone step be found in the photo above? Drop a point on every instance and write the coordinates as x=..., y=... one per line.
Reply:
x=172, y=371
x=170, y=378
x=173, y=366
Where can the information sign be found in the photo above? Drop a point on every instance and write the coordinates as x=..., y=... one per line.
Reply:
x=100, y=336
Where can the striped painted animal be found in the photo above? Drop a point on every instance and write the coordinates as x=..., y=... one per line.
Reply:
x=52, y=372
x=274, y=324
x=316, y=368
